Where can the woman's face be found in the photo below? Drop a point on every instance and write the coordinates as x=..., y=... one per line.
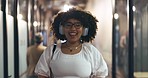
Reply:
x=73, y=30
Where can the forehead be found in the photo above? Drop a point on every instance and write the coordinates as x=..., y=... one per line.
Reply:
x=72, y=20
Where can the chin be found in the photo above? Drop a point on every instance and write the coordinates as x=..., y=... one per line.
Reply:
x=73, y=41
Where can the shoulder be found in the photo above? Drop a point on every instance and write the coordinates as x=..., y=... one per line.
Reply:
x=50, y=47
x=44, y=47
x=30, y=48
x=41, y=47
x=89, y=46
x=86, y=44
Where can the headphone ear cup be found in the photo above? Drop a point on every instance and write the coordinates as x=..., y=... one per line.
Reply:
x=61, y=30
x=85, y=32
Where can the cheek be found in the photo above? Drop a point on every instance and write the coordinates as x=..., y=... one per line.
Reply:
x=80, y=32
x=65, y=31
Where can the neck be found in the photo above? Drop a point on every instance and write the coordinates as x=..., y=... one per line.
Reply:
x=73, y=47
x=73, y=44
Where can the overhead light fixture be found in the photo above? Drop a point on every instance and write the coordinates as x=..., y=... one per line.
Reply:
x=67, y=7
x=134, y=8
x=116, y=16
x=35, y=23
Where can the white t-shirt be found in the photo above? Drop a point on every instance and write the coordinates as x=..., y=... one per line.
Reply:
x=88, y=62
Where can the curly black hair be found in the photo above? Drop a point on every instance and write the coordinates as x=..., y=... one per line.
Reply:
x=85, y=17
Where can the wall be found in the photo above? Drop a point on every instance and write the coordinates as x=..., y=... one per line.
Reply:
x=102, y=9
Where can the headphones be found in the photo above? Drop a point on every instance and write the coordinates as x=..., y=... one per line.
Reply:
x=61, y=30
x=85, y=32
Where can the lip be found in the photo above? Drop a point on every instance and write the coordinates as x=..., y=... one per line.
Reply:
x=72, y=33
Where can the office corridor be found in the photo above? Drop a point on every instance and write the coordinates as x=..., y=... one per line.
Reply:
x=122, y=35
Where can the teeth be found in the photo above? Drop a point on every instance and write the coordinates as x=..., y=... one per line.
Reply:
x=72, y=33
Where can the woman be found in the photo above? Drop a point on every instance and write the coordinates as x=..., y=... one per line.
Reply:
x=76, y=57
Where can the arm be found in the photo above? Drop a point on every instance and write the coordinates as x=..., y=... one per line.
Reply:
x=100, y=69
x=42, y=67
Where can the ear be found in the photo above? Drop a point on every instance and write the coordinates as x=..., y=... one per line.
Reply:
x=61, y=29
x=85, y=32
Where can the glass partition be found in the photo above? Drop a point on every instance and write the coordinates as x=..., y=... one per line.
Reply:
x=23, y=9
x=22, y=34
x=10, y=36
x=0, y=4
x=141, y=38
x=120, y=40
x=10, y=7
x=1, y=44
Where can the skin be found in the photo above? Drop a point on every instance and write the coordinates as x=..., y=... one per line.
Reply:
x=73, y=35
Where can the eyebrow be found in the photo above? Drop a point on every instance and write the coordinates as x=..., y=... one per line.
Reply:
x=72, y=22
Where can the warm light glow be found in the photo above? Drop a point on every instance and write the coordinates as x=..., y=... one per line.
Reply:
x=39, y=23
x=117, y=27
x=19, y=16
x=116, y=16
x=35, y=7
x=35, y=23
x=66, y=7
x=134, y=23
x=134, y=8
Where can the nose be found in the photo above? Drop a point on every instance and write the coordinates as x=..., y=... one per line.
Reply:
x=73, y=27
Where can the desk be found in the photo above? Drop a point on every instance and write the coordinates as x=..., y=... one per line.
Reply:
x=141, y=74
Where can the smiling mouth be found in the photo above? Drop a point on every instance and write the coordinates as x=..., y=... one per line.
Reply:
x=72, y=34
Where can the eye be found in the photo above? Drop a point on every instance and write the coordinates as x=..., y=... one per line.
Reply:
x=68, y=24
x=78, y=24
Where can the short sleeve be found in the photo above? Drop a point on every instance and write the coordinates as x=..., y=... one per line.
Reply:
x=100, y=69
x=43, y=67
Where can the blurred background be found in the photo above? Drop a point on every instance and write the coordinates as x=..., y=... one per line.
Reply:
x=122, y=35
